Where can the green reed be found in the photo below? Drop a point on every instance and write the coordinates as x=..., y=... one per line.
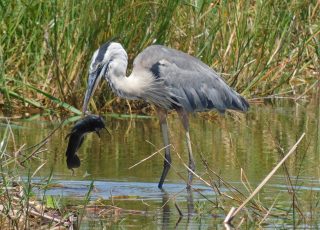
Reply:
x=20, y=207
x=261, y=48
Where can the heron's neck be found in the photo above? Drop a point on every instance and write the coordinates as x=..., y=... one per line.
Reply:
x=128, y=87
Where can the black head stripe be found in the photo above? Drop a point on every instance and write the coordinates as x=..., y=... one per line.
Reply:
x=102, y=51
x=155, y=69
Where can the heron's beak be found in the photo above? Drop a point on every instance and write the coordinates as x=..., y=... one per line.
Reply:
x=93, y=82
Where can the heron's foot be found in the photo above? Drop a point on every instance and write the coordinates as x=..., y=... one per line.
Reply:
x=189, y=184
x=188, y=187
x=163, y=190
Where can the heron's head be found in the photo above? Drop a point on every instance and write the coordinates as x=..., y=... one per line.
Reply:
x=110, y=60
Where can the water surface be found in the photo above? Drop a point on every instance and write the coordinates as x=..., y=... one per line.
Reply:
x=253, y=142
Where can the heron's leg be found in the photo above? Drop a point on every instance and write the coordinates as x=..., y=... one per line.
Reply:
x=164, y=128
x=185, y=122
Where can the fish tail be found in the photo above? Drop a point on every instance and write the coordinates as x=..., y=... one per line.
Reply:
x=73, y=161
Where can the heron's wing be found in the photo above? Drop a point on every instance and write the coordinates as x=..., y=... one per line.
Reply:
x=191, y=84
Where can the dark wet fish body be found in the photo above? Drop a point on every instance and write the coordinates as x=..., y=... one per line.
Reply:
x=90, y=123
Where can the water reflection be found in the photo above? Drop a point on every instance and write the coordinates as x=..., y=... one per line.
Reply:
x=165, y=210
x=167, y=213
x=251, y=142
x=190, y=206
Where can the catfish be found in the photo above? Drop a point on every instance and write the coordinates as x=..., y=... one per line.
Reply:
x=90, y=123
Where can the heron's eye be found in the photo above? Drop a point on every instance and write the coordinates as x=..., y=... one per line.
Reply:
x=98, y=66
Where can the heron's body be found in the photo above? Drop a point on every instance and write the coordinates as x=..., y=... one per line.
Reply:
x=167, y=78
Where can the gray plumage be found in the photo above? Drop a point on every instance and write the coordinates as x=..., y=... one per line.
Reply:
x=188, y=82
x=167, y=78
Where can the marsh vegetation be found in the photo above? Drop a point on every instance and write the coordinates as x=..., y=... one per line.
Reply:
x=262, y=49
x=267, y=50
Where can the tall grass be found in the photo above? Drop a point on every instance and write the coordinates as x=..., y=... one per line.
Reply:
x=20, y=208
x=261, y=48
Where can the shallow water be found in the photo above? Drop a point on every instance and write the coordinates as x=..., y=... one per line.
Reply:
x=252, y=142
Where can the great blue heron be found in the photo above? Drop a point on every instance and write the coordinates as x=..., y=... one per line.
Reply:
x=167, y=78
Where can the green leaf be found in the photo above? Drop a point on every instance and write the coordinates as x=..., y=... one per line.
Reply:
x=53, y=99
x=50, y=202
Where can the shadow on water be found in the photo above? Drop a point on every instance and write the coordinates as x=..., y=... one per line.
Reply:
x=249, y=142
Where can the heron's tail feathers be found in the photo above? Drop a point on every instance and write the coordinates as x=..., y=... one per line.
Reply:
x=239, y=103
